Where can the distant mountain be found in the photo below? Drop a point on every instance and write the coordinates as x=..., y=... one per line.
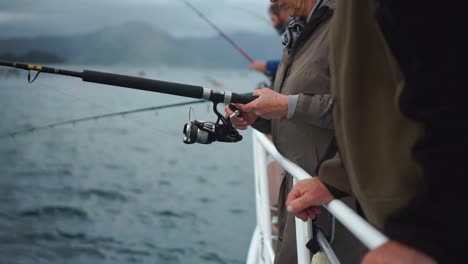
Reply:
x=136, y=43
x=33, y=57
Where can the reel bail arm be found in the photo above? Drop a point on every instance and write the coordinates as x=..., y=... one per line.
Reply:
x=206, y=132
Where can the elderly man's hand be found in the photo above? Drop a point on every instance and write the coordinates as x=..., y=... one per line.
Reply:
x=306, y=197
x=395, y=253
x=241, y=122
x=268, y=105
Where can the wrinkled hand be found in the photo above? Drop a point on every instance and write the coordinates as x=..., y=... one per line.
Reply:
x=268, y=105
x=395, y=253
x=306, y=197
x=258, y=66
x=241, y=122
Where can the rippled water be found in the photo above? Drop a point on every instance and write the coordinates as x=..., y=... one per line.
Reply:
x=122, y=189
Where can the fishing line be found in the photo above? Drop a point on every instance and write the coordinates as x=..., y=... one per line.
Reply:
x=53, y=125
x=140, y=122
x=97, y=117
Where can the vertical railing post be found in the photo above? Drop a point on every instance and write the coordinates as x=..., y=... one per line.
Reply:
x=303, y=235
x=262, y=201
x=253, y=256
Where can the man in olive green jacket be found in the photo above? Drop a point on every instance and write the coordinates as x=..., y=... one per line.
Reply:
x=400, y=139
x=381, y=173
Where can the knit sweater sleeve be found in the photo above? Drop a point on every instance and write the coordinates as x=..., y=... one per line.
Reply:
x=434, y=220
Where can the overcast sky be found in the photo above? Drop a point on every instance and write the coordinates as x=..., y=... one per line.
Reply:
x=64, y=17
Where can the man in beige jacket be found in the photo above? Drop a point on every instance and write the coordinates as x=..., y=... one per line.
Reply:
x=298, y=111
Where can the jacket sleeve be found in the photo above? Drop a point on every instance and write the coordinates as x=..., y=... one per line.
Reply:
x=434, y=221
x=333, y=173
x=272, y=66
x=330, y=170
x=315, y=109
x=262, y=125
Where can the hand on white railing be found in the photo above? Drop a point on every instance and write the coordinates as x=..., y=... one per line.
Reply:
x=306, y=197
x=395, y=253
x=365, y=232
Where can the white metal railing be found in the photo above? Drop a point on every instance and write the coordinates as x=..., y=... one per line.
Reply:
x=261, y=248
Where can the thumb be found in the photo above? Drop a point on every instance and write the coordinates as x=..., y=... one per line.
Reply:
x=257, y=92
x=299, y=204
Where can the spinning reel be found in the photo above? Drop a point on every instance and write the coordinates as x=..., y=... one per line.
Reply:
x=206, y=132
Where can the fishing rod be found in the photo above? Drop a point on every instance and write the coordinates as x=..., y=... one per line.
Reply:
x=222, y=34
x=194, y=131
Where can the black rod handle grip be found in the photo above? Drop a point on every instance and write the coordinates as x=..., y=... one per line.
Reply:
x=138, y=83
x=242, y=98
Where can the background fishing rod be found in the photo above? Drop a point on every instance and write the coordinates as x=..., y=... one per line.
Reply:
x=139, y=83
x=223, y=35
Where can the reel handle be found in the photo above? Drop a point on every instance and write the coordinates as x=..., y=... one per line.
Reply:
x=234, y=108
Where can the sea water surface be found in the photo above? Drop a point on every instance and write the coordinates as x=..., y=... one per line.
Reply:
x=124, y=189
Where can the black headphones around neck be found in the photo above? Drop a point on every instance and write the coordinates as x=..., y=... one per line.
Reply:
x=291, y=33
